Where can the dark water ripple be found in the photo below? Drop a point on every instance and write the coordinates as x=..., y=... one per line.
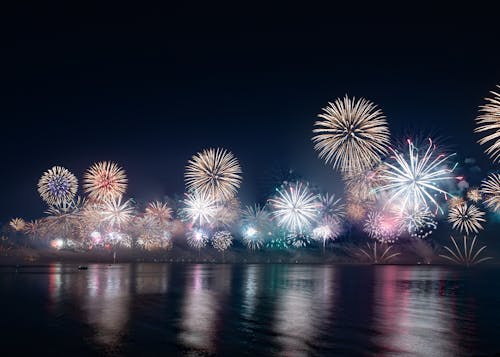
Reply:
x=249, y=310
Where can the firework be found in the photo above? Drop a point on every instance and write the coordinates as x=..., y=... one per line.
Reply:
x=330, y=207
x=159, y=211
x=383, y=226
x=105, y=180
x=413, y=181
x=352, y=134
x=17, y=224
x=57, y=185
x=33, y=228
x=226, y=213
x=116, y=213
x=197, y=238
x=222, y=240
x=455, y=201
x=419, y=223
x=488, y=123
x=298, y=240
x=215, y=172
x=466, y=254
x=466, y=218
x=355, y=211
x=376, y=253
x=199, y=208
x=295, y=207
x=490, y=188
x=362, y=186
x=327, y=229
x=474, y=195
x=65, y=220
x=252, y=238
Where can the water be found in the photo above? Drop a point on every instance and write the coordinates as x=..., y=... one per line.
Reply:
x=288, y=310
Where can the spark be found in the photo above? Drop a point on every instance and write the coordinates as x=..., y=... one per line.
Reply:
x=474, y=195
x=352, y=134
x=197, y=238
x=17, y=224
x=116, y=213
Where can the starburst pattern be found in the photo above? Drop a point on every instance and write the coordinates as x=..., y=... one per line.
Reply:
x=215, y=172
x=474, y=195
x=330, y=207
x=105, y=180
x=420, y=222
x=199, y=208
x=294, y=207
x=222, y=240
x=17, y=224
x=352, y=134
x=466, y=254
x=490, y=188
x=376, y=253
x=57, y=185
x=159, y=211
x=488, y=123
x=383, y=226
x=466, y=217
x=414, y=180
x=197, y=238
x=117, y=212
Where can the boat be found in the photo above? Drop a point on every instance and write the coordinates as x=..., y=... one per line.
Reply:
x=82, y=267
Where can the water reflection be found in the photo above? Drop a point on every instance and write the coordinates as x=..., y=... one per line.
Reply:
x=414, y=312
x=304, y=307
x=206, y=290
x=288, y=310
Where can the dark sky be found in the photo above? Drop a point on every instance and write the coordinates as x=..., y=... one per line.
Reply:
x=149, y=87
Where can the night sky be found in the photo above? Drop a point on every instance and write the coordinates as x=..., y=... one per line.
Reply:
x=149, y=87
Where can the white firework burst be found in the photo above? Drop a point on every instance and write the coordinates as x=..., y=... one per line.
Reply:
x=222, y=240
x=490, y=188
x=466, y=217
x=488, y=123
x=414, y=180
x=199, y=208
x=197, y=238
x=215, y=172
x=294, y=207
x=116, y=213
x=352, y=135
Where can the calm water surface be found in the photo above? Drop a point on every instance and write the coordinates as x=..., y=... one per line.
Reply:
x=288, y=310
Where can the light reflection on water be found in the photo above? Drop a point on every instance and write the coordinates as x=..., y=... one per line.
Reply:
x=289, y=310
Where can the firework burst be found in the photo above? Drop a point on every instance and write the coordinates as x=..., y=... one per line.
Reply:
x=215, y=172
x=376, y=253
x=488, y=123
x=105, y=180
x=331, y=207
x=294, y=207
x=352, y=134
x=328, y=228
x=17, y=224
x=490, y=188
x=362, y=186
x=197, y=238
x=116, y=213
x=414, y=180
x=199, y=208
x=57, y=186
x=466, y=218
x=298, y=240
x=383, y=226
x=474, y=195
x=222, y=240
x=255, y=221
x=466, y=254
x=159, y=211
x=355, y=211
x=419, y=223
